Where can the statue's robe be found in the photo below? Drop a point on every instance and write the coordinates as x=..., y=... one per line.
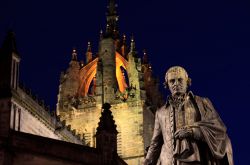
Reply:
x=209, y=146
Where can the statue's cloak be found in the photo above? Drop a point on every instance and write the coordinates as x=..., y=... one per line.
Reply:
x=214, y=147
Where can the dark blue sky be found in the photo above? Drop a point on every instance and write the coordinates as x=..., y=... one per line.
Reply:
x=211, y=39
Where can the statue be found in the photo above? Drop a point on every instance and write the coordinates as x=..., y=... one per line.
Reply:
x=188, y=130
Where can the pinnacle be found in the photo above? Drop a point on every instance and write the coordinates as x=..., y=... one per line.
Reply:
x=107, y=122
x=9, y=44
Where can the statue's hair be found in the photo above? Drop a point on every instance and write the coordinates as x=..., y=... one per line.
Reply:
x=176, y=68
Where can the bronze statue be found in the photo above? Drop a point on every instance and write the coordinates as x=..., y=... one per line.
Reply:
x=188, y=130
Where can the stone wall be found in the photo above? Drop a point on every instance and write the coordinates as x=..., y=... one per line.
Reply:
x=30, y=115
x=129, y=118
x=22, y=158
x=28, y=149
x=30, y=123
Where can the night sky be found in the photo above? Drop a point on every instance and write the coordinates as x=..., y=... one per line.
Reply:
x=211, y=39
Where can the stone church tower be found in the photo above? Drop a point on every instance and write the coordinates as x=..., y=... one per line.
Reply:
x=114, y=75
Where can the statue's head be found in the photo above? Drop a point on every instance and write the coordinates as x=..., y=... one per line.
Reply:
x=177, y=80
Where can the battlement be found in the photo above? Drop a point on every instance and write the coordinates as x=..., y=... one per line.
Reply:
x=37, y=108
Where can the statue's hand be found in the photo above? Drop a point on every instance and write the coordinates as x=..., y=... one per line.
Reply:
x=184, y=132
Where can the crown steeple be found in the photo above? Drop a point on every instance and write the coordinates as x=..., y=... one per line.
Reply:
x=112, y=20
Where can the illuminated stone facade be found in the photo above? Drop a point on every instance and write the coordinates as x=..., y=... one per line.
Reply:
x=22, y=110
x=32, y=134
x=116, y=75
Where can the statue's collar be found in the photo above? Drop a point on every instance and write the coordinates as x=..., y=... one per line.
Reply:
x=189, y=94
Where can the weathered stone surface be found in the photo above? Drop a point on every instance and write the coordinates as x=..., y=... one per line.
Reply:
x=134, y=118
x=129, y=120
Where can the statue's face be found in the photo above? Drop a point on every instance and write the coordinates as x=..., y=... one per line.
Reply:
x=177, y=81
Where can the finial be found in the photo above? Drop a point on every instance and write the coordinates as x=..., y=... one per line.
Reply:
x=107, y=28
x=89, y=56
x=112, y=7
x=132, y=38
x=124, y=39
x=101, y=34
x=81, y=63
x=150, y=66
x=106, y=106
x=132, y=44
x=89, y=47
x=74, y=54
x=145, y=57
x=124, y=45
x=112, y=20
x=9, y=44
x=106, y=122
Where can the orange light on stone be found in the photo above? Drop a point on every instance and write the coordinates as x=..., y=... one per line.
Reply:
x=120, y=61
x=88, y=72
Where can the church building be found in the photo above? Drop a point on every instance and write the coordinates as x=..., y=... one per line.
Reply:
x=32, y=134
x=113, y=74
x=105, y=108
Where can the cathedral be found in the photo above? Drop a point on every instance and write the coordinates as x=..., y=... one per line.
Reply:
x=106, y=103
x=32, y=134
x=113, y=74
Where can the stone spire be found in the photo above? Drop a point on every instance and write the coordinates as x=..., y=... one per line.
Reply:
x=112, y=7
x=9, y=44
x=101, y=34
x=9, y=72
x=112, y=20
x=132, y=44
x=74, y=55
x=106, y=136
x=9, y=65
x=89, y=53
x=81, y=63
x=124, y=45
x=107, y=123
x=145, y=57
x=124, y=39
